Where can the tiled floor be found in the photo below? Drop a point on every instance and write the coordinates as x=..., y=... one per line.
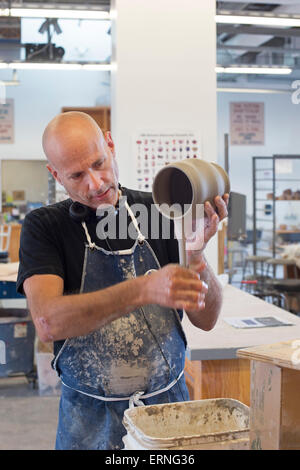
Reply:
x=27, y=421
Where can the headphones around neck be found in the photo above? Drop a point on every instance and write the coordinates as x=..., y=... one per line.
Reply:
x=81, y=213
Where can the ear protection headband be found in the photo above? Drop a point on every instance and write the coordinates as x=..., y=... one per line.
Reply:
x=79, y=212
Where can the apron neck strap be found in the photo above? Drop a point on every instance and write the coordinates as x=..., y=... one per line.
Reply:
x=91, y=244
x=140, y=236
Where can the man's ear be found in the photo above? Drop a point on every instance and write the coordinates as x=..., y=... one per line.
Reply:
x=109, y=141
x=54, y=173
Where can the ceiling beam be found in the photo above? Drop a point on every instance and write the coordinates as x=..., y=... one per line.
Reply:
x=65, y=5
x=258, y=49
x=282, y=2
x=280, y=32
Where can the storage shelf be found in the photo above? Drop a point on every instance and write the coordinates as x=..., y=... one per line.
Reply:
x=263, y=189
x=264, y=169
x=264, y=220
x=277, y=200
x=279, y=179
x=277, y=182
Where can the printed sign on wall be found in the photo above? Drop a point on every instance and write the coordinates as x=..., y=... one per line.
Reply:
x=247, y=123
x=7, y=122
x=155, y=150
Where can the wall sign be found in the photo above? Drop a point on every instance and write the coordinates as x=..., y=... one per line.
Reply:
x=7, y=122
x=247, y=123
x=155, y=150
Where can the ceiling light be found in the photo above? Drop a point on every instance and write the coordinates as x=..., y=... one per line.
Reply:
x=55, y=13
x=258, y=20
x=255, y=70
x=55, y=66
x=103, y=67
x=10, y=82
x=43, y=66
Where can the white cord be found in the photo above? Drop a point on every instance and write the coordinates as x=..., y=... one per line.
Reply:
x=91, y=244
x=135, y=398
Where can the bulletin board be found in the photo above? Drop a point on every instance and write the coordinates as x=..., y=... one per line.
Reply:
x=154, y=150
x=7, y=122
x=247, y=123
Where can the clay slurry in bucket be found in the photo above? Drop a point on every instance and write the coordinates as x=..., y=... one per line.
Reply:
x=201, y=424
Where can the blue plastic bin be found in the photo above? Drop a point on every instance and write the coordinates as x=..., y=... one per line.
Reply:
x=17, y=346
x=8, y=290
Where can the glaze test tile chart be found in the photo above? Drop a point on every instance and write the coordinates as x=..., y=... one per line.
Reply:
x=152, y=151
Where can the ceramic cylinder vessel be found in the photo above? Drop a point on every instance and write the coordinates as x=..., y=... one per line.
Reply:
x=188, y=183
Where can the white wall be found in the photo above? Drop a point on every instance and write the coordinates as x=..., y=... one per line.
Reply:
x=39, y=98
x=282, y=136
x=165, y=79
x=42, y=94
x=30, y=176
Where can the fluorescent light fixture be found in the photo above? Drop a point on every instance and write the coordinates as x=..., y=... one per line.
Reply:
x=55, y=66
x=55, y=13
x=255, y=70
x=103, y=67
x=42, y=66
x=258, y=20
x=10, y=82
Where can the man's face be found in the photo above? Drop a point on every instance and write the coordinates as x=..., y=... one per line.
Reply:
x=88, y=170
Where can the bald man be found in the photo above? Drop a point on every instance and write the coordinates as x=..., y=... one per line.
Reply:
x=112, y=306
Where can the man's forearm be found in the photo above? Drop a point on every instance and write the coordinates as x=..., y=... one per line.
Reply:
x=207, y=317
x=67, y=316
x=57, y=316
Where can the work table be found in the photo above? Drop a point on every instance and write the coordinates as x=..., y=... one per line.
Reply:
x=212, y=367
x=224, y=340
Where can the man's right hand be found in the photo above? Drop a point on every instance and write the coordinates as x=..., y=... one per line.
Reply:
x=176, y=287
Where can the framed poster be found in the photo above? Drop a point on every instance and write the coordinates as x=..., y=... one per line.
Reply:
x=247, y=126
x=7, y=122
x=154, y=150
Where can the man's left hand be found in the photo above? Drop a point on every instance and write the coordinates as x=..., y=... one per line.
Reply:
x=212, y=218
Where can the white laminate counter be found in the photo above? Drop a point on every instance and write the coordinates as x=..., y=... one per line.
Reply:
x=224, y=340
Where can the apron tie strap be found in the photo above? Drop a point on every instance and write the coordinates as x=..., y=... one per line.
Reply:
x=134, y=399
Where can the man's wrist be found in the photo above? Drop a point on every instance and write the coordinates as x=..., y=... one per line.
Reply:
x=140, y=290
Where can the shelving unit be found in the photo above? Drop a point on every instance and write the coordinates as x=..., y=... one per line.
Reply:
x=267, y=166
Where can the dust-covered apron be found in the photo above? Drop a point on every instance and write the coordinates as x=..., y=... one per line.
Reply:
x=136, y=359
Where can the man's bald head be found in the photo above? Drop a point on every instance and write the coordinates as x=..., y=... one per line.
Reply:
x=67, y=129
x=81, y=159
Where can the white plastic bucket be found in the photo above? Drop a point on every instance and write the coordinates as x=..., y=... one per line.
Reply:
x=49, y=382
x=220, y=423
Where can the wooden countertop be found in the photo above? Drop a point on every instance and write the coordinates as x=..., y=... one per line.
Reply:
x=288, y=231
x=224, y=340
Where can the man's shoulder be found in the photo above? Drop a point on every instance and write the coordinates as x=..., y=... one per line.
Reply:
x=49, y=213
x=138, y=197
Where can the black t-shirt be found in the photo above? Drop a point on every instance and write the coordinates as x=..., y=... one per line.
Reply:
x=53, y=243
